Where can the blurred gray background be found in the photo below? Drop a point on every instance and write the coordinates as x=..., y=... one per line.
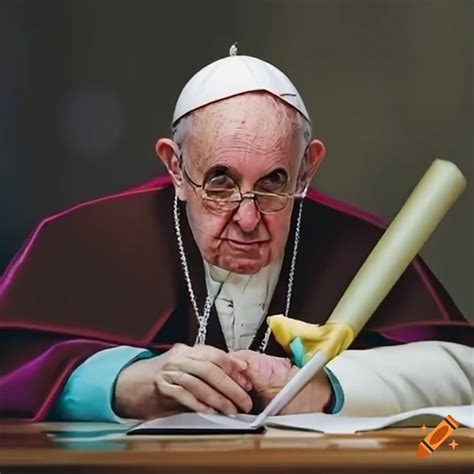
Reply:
x=86, y=87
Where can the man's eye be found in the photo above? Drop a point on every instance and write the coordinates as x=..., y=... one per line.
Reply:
x=220, y=182
x=273, y=182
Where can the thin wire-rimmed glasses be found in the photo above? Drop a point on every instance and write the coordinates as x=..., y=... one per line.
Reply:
x=227, y=197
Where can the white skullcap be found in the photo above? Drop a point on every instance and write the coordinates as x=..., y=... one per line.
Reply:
x=235, y=75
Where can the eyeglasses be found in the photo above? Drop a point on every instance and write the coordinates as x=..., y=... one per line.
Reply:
x=221, y=194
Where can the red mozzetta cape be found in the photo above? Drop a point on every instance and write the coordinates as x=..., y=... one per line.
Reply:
x=107, y=272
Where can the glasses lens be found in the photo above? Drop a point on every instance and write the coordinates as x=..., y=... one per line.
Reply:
x=221, y=194
x=219, y=205
x=271, y=202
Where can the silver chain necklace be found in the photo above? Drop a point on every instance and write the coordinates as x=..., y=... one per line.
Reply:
x=203, y=318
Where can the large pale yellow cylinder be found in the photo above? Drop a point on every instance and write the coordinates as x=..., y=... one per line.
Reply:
x=418, y=218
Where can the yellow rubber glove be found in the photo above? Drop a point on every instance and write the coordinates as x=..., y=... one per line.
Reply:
x=296, y=336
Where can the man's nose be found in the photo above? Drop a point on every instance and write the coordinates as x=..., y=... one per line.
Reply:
x=247, y=215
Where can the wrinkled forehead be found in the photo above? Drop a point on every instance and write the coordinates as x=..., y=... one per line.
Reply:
x=248, y=126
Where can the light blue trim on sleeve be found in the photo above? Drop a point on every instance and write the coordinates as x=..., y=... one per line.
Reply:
x=338, y=392
x=297, y=351
x=87, y=395
x=298, y=356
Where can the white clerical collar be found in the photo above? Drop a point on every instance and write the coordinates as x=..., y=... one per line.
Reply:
x=241, y=301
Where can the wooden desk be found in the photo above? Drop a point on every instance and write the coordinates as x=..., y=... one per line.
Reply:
x=97, y=447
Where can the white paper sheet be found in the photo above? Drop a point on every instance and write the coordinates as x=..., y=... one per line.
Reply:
x=429, y=416
x=335, y=424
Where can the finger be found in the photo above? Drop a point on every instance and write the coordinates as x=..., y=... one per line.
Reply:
x=217, y=357
x=253, y=360
x=230, y=365
x=218, y=380
x=202, y=392
x=242, y=358
x=242, y=380
x=183, y=397
x=238, y=377
x=199, y=391
x=239, y=364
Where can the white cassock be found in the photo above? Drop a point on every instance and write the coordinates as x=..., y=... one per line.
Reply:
x=376, y=382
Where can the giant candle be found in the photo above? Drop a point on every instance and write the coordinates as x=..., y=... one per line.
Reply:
x=431, y=199
x=313, y=346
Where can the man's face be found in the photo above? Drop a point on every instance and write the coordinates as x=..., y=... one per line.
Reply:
x=251, y=141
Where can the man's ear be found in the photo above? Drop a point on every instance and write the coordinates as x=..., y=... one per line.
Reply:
x=168, y=152
x=312, y=160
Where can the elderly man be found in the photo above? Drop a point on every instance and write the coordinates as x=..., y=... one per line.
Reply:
x=155, y=299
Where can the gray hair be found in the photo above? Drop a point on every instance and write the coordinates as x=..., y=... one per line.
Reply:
x=182, y=128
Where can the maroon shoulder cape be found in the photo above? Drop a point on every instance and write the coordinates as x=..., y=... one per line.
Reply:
x=107, y=273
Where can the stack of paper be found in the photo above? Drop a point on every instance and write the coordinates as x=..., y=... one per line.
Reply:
x=198, y=423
